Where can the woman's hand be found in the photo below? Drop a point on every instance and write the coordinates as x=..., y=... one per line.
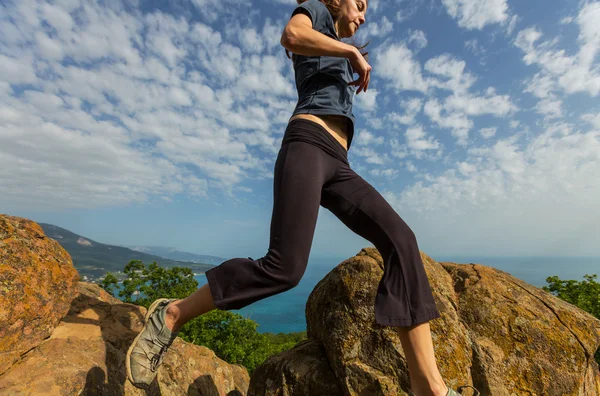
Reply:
x=363, y=69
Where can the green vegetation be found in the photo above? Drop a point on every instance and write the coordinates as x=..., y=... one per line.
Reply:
x=231, y=336
x=585, y=295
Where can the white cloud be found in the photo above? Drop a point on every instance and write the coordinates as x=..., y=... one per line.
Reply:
x=211, y=10
x=475, y=47
x=58, y=18
x=418, y=38
x=447, y=66
x=512, y=24
x=366, y=101
x=567, y=20
x=593, y=119
x=388, y=173
x=550, y=108
x=475, y=14
x=271, y=34
x=397, y=64
x=366, y=138
x=455, y=109
x=398, y=150
x=541, y=85
x=465, y=168
x=498, y=105
x=418, y=141
x=18, y=71
x=379, y=28
x=411, y=107
x=370, y=155
x=78, y=170
x=488, y=132
x=376, y=123
x=263, y=74
x=49, y=48
x=251, y=40
x=458, y=122
x=570, y=73
x=406, y=9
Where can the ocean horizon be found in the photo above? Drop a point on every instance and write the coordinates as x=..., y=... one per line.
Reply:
x=285, y=312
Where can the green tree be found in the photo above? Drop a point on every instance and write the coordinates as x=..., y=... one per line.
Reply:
x=154, y=281
x=109, y=282
x=584, y=294
x=231, y=336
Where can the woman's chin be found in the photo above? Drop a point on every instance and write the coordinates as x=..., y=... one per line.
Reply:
x=353, y=31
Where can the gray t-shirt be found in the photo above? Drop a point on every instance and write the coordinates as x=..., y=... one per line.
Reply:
x=322, y=81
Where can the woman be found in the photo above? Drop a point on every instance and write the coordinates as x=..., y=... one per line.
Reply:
x=312, y=170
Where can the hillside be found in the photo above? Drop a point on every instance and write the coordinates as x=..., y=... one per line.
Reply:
x=93, y=259
x=174, y=254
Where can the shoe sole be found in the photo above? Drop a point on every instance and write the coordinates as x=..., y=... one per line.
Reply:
x=151, y=309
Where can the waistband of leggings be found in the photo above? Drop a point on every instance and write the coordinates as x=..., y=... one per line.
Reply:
x=311, y=124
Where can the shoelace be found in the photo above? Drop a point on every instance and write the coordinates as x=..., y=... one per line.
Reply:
x=460, y=388
x=158, y=358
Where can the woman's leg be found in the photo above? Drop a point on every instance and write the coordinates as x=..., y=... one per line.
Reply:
x=182, y=311
x=301, y=170
x=404, y=297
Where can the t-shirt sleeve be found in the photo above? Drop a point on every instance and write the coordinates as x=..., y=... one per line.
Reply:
x=316, y=11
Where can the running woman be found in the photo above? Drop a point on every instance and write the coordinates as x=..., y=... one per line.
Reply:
x=312, y=170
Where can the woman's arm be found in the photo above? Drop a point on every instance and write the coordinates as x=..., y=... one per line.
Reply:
x=300, y=38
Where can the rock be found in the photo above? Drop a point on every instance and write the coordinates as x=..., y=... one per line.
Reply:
x=302, y=370
x=37, y=284
x=85, y=355
x=496, y=333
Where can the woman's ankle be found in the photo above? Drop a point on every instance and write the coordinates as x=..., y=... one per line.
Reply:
x=172, y=316
x=432, y=389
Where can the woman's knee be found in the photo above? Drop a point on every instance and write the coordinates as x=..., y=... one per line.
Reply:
x=288, y=272
x=402, y=232
x=294, y=274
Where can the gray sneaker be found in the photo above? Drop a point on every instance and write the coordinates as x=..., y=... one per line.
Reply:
x=147, y=350
x=451, y=392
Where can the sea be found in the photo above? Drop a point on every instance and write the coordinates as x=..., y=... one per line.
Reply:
x=284, y=312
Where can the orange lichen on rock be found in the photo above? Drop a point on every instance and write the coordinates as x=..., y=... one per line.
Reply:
x=37, y=284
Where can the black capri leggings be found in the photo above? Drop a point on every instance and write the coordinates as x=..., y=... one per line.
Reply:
x=312, y=169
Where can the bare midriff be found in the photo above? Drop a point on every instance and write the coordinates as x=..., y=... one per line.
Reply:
x=336, y=125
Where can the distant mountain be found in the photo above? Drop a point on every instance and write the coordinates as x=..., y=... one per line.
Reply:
x=94, y=259
x=174, y=254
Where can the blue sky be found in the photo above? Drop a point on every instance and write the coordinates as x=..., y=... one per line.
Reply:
x=158, y=123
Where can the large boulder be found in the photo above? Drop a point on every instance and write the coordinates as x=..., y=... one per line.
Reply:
x=37, y=284
x=496, y=333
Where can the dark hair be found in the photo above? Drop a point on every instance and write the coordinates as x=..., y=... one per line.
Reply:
x=334, y=9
